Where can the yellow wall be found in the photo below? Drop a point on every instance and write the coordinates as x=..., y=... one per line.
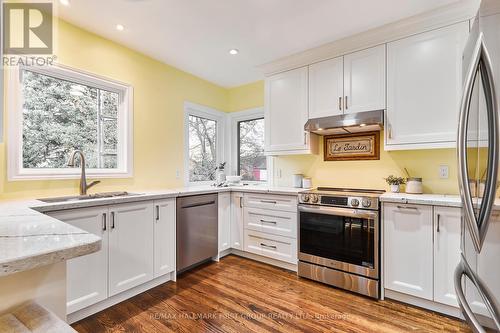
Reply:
x=362, y=174
x=247, y=96
x=159, y=93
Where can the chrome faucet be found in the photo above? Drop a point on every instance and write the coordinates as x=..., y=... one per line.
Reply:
x=83, y=180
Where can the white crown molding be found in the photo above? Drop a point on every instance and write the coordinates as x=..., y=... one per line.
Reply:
x=443, y=16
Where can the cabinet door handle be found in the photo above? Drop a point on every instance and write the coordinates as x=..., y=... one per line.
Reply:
x=346, y=103
x=104, y=222
x=241, y=202
x=438, y=218
x=157, y=212
x=271, y=222
x=269, y=201
x=390, y=131
x=269, y=246
x=407, y=207
x=112, y=220
x=340, y=103
x=305, y=138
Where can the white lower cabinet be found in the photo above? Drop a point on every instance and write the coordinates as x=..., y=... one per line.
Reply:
x=87, y=276
x=422, y=250
x=271, y=246
x=447, y=237
x=237, y=220
x=138, y=244
x=273, y=222
x=224, y=218
x=130, y=246
x=408, y=249
x=164, y=237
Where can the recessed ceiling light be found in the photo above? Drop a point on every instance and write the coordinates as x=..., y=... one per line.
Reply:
x=64, y=2
x=234, y=51
x=120, y=27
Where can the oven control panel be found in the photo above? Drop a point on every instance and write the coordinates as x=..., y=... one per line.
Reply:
x=338, y=201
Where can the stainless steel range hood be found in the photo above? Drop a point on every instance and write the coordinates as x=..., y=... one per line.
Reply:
x=347, y=123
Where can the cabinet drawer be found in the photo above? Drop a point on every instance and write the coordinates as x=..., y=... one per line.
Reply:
x=272, y=246
x=279, y=223
x=269, y=201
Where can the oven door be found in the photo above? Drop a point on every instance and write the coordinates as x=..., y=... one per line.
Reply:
x=340, y=238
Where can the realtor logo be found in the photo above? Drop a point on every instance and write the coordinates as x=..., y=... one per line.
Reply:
x=27, y=28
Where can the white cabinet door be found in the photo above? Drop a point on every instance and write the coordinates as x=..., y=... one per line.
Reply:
x=424, y=88
x=87, y=276
x=164, y=237
x=130, y=246
x=224, y=217
x=237, y=220
x=286, y=112
x=326, y=88
x=364, y=80
x=408, y=249
x=447, y=237
x=486, y=265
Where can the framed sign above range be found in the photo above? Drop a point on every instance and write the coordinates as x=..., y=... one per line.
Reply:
x=350, y=147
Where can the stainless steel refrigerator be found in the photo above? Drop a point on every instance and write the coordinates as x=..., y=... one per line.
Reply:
x=477, y=277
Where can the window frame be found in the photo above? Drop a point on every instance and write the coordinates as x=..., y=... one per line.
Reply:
x=238, y=147
x=196, y=110
x=15, y=169
x=235, y=119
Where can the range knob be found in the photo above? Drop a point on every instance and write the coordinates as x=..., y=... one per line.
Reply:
x=354, y=202
x=314, y=198
x=304, y=197
x=367, y=202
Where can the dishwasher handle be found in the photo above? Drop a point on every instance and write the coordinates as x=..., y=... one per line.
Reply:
x=198, y=204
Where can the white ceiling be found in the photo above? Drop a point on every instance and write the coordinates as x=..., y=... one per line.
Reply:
x=196, y=35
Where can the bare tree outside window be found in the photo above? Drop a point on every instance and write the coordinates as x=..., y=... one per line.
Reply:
x=252, y=164
x=202, y=149
x=60, y=116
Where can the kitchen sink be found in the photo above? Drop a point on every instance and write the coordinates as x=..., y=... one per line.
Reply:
x=88, y=197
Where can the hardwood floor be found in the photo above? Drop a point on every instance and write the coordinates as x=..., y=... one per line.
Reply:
x=241, y=295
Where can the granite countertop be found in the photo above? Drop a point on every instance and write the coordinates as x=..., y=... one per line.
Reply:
x=423, y=199
x=30, y=239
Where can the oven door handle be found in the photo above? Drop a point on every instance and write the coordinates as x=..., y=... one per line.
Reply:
x=339, y=212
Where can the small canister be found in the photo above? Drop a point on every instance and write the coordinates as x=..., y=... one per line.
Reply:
x=414, y=185
x=307, y=183
x=297, y=180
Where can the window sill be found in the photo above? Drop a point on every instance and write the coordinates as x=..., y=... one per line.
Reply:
x=58, y=175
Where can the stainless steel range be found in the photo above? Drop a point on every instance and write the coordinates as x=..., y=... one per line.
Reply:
x=339, y=238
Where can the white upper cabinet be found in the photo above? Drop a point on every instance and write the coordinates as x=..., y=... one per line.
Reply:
x=130, y=246
x=408, y=249
x=424, y=88
x=326, y=88
x=352, y=83
x=286, y=113
x=364, y=80
x=164, y=237
x=447, y=237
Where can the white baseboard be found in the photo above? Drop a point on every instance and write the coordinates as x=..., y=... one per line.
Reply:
x=423, y=303
x=88, y=311
x=265, y=260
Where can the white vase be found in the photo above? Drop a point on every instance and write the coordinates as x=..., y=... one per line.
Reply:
x=395, y=188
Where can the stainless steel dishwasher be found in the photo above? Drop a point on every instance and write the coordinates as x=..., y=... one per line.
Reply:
x=197, y=230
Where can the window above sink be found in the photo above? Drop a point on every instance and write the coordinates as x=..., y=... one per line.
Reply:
x=59, y=110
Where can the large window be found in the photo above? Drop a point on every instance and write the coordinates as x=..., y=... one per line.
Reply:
x=252, y=163
x=204, y=130
x=61, y=110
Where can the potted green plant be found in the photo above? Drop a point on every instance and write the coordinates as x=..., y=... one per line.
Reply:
x=395, y=183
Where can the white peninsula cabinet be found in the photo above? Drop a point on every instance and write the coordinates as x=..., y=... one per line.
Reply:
x=237, y=220
x=286, y=113
x=352, y=83
x=138, y=245
x=224, y=221
x=421, y=251
x=424, y=82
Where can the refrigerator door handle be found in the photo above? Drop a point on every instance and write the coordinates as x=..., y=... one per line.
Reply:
x=464, y=269
x=480, y=62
